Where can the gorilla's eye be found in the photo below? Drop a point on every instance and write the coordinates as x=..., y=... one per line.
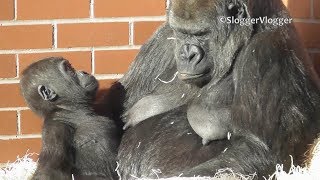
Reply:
x=69, y=69
x=237, y=10
x=180, y=34
x=233, y=9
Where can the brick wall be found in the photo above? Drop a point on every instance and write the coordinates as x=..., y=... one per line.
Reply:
x=96, y=36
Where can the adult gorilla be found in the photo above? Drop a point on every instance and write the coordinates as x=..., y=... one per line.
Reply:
x=262, y=68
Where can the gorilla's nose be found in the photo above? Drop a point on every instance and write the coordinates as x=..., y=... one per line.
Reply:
x=192, y=53
x=83, y=73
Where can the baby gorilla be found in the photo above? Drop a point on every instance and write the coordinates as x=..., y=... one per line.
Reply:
x=75, y=140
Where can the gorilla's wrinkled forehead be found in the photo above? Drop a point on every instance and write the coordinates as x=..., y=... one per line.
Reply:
x=194, y=15
x=191, y=8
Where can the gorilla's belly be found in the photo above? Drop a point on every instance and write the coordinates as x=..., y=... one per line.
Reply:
x=164, y=143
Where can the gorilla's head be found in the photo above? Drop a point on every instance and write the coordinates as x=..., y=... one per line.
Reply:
x=205, y=44
x=52, y=83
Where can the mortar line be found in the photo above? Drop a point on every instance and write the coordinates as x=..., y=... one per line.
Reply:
x=131, y=33
x=25, y=136
x=17, y=66
x=9, y=81
x=108, y=76
x=82, y=20
x=91, y=9
x=19, y=122
x=30, y=51
x=15, y=9
x=14, y=109
x=55, y=35
x=93, y=62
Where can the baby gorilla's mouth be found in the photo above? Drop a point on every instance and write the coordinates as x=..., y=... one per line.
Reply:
x=88, y=81
x=92, y=84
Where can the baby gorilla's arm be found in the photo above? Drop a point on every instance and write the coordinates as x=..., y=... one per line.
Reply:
x=56, y=159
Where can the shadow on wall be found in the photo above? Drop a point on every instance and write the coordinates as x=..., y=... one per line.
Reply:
x=307, y=21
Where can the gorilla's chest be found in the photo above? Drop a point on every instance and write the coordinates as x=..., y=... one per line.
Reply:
x=165, y=143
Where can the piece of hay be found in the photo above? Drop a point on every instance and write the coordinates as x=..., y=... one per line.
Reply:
x=222, y=174
x=21, y=169
x=314, y=163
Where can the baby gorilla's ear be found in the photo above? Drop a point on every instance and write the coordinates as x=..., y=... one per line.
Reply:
x=46, y=93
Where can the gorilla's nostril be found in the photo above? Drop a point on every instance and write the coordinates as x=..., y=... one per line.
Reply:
x=186, y=49
x=192, y=53
x=83, y=72
x=191, y=56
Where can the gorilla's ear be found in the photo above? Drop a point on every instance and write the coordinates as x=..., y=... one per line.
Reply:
x=46, y=93
x=238, y=9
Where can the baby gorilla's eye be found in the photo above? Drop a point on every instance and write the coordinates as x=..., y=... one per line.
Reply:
x=69, y=69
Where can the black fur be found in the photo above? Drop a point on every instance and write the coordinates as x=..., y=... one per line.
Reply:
x=274, y=96
x=75, y=140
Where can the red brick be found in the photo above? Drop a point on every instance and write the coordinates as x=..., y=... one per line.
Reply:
x=6, y=9
x=80, y=60
x=144, y=30
x=10, y=149
x=30, y=123
x=298, y=8
x=120, y=8
x=8, y=67
x=316, y=8
x=56, y=9
x=8, y=123
x=26, y=37
x=96, y=34
x=309, y=34
x=113, y=62
x=10, y=96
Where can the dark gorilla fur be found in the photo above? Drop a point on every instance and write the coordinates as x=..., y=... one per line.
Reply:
x=262, y=68
x=75, y=139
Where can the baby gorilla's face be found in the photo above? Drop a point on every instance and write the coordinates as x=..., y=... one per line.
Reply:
x=53, y=83
x=83, y=79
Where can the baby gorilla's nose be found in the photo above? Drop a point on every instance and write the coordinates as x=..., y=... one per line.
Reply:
x=83, y=73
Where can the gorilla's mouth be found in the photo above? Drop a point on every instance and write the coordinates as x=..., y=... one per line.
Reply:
x=90, y=83
x=93, y=84
x=185, y=76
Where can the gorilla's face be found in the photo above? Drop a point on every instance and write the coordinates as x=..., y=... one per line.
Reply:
x=206, y=46
x=53, y=83
x=87, y=81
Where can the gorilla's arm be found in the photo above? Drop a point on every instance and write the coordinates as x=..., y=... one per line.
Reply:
x=153, y=105
x=246, y=154
x=275, y=102
x=281, y=95
x=56, y=159
x=155, y=56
